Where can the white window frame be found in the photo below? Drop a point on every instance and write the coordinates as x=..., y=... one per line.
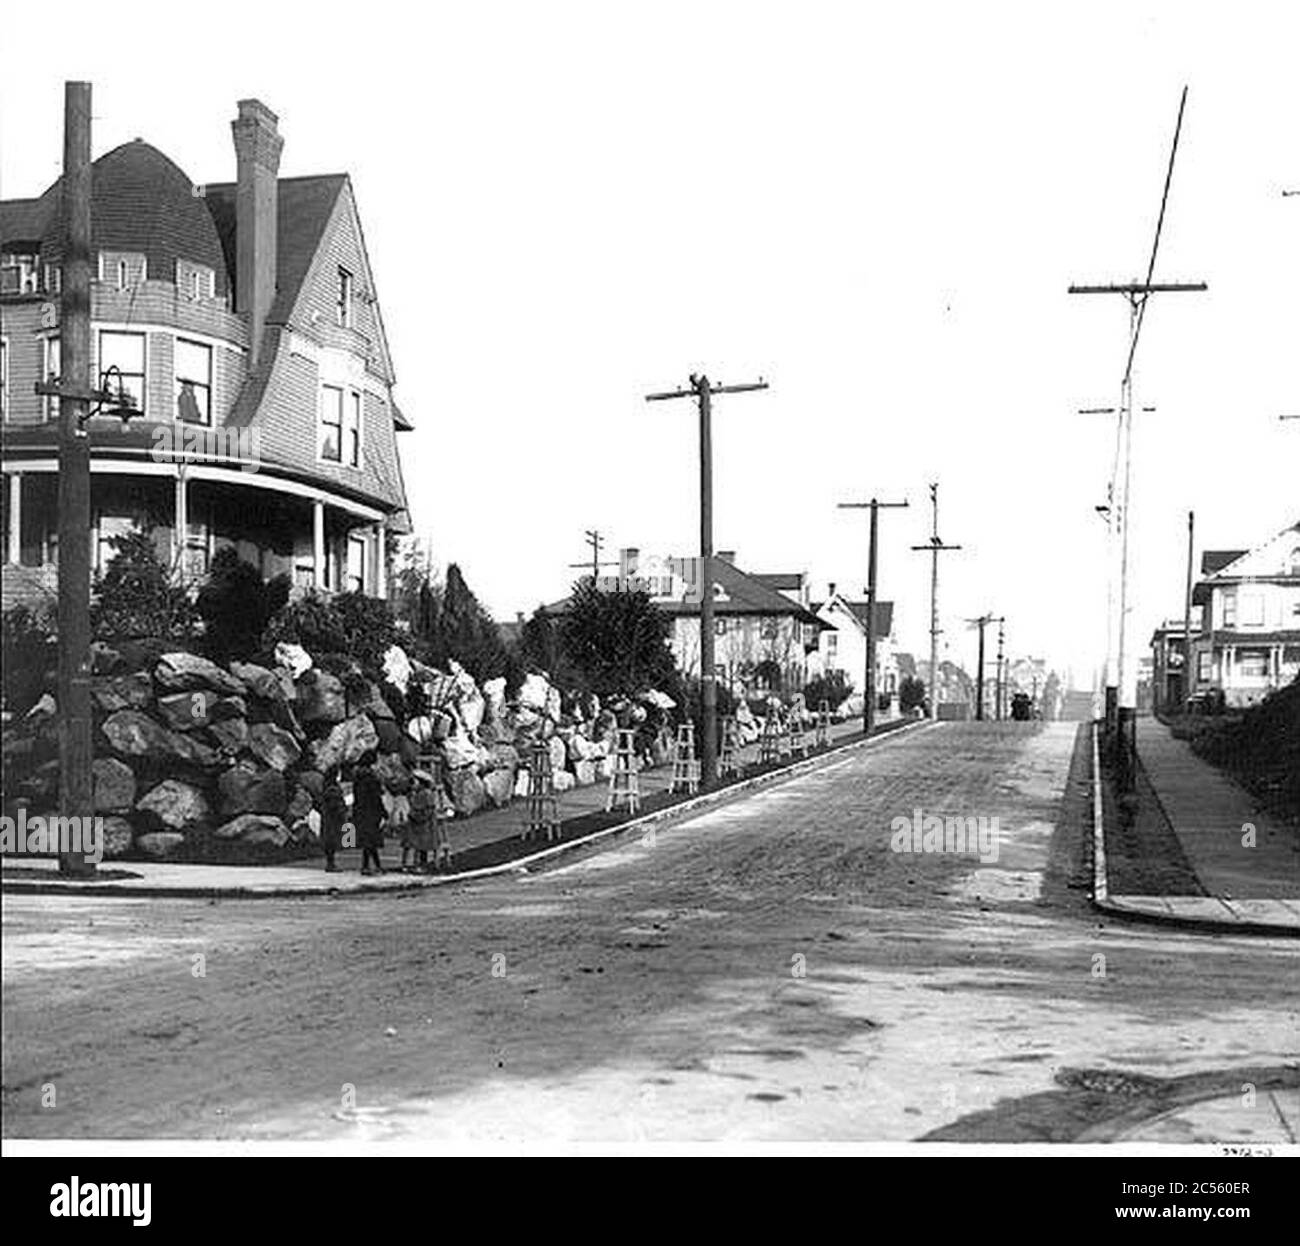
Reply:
x=361, y=543
x=355, y=415
x=4, y=379
x=1228, y=607
x=322, y=423
x=177, y=378
x=51, y=369
x=143, y=374
x=202, y=280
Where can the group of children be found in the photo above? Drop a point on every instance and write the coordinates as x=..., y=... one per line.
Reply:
x=418, y=818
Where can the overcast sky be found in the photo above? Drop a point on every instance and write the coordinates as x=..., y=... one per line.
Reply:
x=877, y=208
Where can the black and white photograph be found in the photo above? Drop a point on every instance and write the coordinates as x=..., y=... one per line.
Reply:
x=687, y=579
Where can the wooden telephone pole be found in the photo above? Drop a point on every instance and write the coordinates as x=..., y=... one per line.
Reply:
x=935, y=548
x=983, y=621
x=595, y=540
x=76, y=788
x=702, y=391
x=1124, y=736
x=869, y=687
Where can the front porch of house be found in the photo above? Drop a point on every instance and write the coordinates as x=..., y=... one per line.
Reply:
x=280, y=527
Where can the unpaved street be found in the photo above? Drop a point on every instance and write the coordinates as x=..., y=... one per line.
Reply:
x=768, y=970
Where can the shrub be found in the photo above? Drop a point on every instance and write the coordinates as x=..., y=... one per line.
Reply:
x=29, y=656
x=236, y=605
x=137, y=596
x=834, y=688
x=911, y=694
x=349, y=626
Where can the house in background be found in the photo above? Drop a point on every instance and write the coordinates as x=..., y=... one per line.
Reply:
x=842, y=645
x=241, y=317
x=1248, y=640
x=762, y=635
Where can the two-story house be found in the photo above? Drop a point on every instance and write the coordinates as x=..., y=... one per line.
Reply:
x=762, y=634
x=1248, y=642
x=241, y=318
x=842, y=645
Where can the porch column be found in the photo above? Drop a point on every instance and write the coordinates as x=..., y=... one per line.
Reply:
x=180, y=521
x=381, y=570
x=15, y=552
x=318, y=543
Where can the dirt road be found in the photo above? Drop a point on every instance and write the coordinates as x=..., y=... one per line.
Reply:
x=772, y=969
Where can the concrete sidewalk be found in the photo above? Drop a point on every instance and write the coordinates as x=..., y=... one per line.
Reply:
x=308, y=877
x=1247, y=887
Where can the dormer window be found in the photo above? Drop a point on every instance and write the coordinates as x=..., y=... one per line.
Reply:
x=195, y=281
x=343, y=312
x=122, y=269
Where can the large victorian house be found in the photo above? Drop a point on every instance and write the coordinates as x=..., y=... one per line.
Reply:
x=242, y=320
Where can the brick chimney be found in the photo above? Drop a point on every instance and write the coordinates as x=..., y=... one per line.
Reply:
x=830, y=590
x=257, y=161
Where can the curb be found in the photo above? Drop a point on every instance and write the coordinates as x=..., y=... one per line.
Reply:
x=520, y=865
x=1101, y=897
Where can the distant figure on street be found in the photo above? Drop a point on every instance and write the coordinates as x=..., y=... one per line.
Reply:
x=334, y=816
x=424, y=811
x=368, y=817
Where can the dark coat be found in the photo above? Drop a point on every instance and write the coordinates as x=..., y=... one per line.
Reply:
x=333, y=816
x=368, y=808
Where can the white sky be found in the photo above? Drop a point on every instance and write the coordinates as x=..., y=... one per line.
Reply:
x=878, y=208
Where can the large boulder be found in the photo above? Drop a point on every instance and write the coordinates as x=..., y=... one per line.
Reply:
x=230, y=734
x=372, y=702
x=559, y=754
x=504, y=756
x=273, y=746
x=187, y=672
x=467, y=791
x=300, y=805
x=534, y=692
x=119, y=835
x=160, y=843
x=114, y=785
x=134, y=734
x=104, y=660
x=389, y=733
x=584, y=773
x=294, y=658
x=469, y=700
x=321, y=698
x=254, y=828
x=187, y=711
x=174, y=804
x=397, y=668
x=245, y=789
x=259, y=681
x=351, y=740
x=121, y=692
x=313, y=781
x=497, y=786
x=460, y=750
x=562, y=780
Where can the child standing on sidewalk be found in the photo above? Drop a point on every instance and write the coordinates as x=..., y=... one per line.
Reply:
x=333, y=818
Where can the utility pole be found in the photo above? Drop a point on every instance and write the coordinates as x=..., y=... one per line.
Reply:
x=1188, y=666
x=1002, y=635
x=702, y=391
x=76, y=787
x=981, y=623
x=1137, y=293
x=935, y=548
x=595, y=540
x=869, y=687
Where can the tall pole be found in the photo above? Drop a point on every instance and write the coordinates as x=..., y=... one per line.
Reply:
x=595, y=540
x=935, y=547
x=979, y=676
x=1124, y=745
x=869, y=684
x=703, y=392
x=1189, y=668
x=1002, y=623
x=75, y=756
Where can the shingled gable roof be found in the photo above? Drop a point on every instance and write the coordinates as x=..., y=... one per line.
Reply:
x=884, y=613
x=1214, y=560
x=743, y=595
x=305, y=207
